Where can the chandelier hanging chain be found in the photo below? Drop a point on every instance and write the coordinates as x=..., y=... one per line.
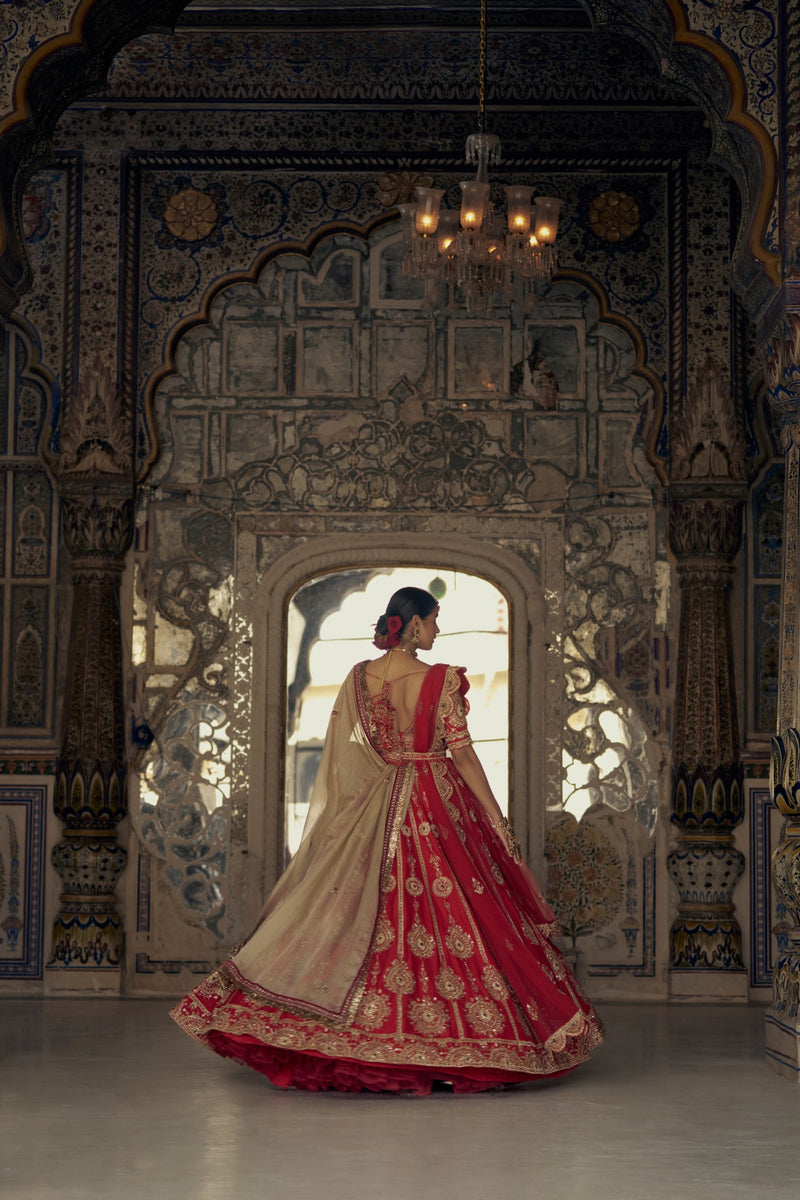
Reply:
x=482, y=73
x=468, y=253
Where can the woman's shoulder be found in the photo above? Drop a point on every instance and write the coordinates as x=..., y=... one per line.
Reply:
x=453, y=678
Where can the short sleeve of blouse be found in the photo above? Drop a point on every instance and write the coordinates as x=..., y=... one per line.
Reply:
x=455, y=707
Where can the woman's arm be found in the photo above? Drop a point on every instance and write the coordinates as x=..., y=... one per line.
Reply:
x=469, y=767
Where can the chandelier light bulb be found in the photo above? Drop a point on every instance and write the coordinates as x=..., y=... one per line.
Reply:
x=474, y=196
x=518, y=204
x=546, y=227
x=426, y=218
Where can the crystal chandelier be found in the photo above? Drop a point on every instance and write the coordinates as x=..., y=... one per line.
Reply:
x=470, y=250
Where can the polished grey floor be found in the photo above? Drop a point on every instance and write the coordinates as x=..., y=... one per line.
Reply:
x=108, y=1100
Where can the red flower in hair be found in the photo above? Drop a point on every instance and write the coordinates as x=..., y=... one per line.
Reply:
x=385, y=641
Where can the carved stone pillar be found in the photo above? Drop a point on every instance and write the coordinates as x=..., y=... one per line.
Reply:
x=706, y=496
x=782, y=1032
x=780, y=340
x=95, y=485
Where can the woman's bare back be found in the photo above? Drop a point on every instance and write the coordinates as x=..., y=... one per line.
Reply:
x=402, y=677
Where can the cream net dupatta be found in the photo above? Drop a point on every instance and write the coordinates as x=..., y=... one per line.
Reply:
x=309, y=951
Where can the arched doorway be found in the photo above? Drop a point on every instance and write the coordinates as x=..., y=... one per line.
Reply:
x=329, y=628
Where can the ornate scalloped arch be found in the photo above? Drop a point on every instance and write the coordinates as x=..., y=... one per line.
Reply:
x=65, y=66
x=654, y=417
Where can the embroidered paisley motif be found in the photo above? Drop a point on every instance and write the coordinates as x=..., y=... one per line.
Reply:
x=494, y=983
x=484, y=1016
x=478, y=887
x=420, y=941
x=428, y=1016
x=398, y=978
x=459, y=942
x=555, y=960
x=383, y=936
x=529, y=931
x=449, y=985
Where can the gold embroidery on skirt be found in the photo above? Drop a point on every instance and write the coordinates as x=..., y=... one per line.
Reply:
x=494, y=983
x=414, y=886
x=398, y=978
x=373, y=1011
x=420, y=941
x=427, y=1016
x=383, y=936
x=449, y=985
x=442, y=886
x=459, y=942
x=555, y=960
x=574, y=1026
x=484, y=1016
x=478, y=887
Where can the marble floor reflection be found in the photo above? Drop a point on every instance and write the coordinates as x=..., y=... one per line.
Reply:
x=108, y=1100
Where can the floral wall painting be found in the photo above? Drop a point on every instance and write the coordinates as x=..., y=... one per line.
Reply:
x=585, y=881
x=600, y=883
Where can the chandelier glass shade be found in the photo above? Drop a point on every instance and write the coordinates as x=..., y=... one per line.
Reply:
x=475, y=251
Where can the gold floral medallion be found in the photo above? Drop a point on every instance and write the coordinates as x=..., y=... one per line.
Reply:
x=484, y=1016
x=614, y=216
x=373, y=1011
x=190, y=215
x=428, y=1016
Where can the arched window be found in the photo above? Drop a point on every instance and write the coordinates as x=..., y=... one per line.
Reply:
x=329, y=628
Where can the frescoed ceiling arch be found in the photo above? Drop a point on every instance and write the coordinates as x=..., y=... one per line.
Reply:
x=54, y=54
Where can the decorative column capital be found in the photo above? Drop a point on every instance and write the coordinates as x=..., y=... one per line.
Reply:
x=91, y=458
x=705, y=528
x=97, y=515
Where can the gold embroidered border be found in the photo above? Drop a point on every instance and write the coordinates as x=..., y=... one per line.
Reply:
x=393, y=1048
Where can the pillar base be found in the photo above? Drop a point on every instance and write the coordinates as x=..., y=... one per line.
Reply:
x=782, y=1022
x=782, y=1048
x=66, y=981
x=707, y=987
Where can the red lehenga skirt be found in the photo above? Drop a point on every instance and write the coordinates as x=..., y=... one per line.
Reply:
x=462, y=985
